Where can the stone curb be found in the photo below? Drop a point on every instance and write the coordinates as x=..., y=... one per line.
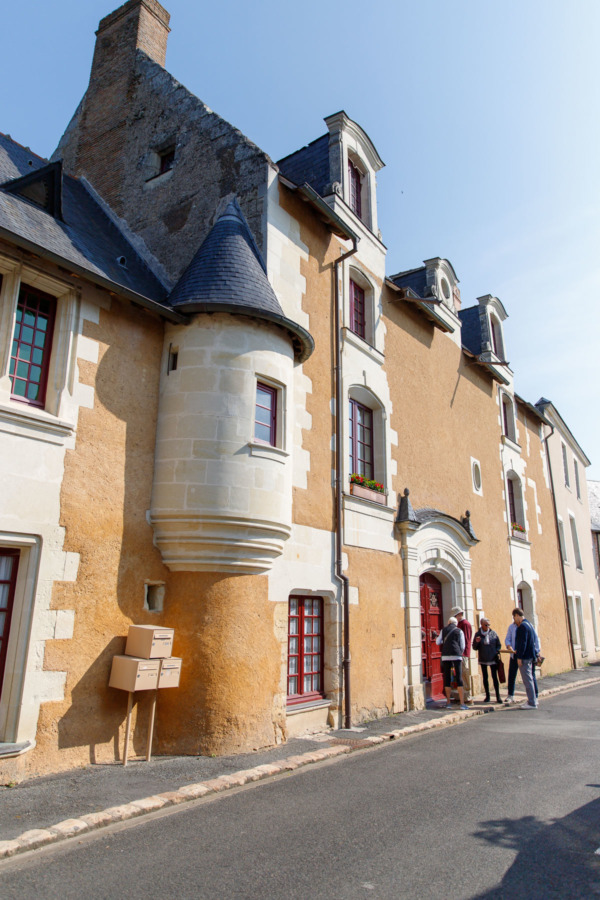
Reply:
x=69, y=828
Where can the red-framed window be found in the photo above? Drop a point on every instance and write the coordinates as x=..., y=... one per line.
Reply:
x=305, y=649
x=512, y=506
x=355, y=189
x=357, y=309
x=361, y=439
x=32, y=346
x=265, y=421
x=9, y=561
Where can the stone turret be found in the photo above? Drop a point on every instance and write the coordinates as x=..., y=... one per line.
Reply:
x=222, y=497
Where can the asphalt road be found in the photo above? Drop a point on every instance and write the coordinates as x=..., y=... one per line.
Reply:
x=505, y=806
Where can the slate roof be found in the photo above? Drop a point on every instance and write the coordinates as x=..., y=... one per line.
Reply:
x=310, y=165
x=471, y=329
x=85, y=239
x=412, y=278
x=228, y=274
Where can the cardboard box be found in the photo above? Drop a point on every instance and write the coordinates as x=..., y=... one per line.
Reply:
x=149, y=642
x=170, y=672
x=131, y=674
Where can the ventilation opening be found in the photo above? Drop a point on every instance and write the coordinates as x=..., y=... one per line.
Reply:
x=154, y=596
x=172, y=359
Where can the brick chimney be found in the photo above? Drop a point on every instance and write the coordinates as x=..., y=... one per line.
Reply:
x=95, y=142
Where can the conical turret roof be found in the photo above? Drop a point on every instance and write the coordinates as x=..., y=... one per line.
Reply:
x=228, y=274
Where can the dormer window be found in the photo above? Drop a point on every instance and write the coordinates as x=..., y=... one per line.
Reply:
x=354, y=189
x=496, y=335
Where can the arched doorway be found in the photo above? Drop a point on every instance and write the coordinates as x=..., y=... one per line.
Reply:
x=432, y=622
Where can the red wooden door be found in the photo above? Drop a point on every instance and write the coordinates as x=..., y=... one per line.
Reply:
x=431, y=625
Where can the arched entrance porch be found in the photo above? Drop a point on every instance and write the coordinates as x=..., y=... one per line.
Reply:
x=434, y=546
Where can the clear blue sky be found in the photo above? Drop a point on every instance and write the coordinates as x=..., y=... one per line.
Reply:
x=486, y=114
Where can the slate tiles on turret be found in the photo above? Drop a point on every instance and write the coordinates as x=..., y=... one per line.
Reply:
x=228, y=274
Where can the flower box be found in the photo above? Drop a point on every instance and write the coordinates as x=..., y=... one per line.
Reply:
x=365, y=493
x=518, y=533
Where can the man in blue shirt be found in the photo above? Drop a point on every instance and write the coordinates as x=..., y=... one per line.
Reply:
x=525, y=643
x=513, y=668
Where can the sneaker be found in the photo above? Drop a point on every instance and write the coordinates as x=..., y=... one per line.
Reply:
x=510, y=700
x=527, y=706
x=464, y=706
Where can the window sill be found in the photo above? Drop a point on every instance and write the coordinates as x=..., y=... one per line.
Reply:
x=8, y=750
x=512, y=445
x=299, y=707
x=264, y=451
x=363, y=345
x=519, y=540
x=28, y=421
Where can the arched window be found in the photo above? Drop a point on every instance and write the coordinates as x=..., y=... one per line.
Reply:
x=508, y=417
x=361, y=298
x=515, y=505
x=366, y=435
x=358, y=189
x=496, y=336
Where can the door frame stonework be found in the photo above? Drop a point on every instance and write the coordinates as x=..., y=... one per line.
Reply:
x=440, y=546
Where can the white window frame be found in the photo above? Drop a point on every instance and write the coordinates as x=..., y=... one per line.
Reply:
x=580, y=622
x=565, y=466
x=359, y=278
x=573, y=621
x=561, y=540
x=62, y=367
x=12, y=705
x=278, y=451
x=575, y=541
x=594, y=621
x=367, y=398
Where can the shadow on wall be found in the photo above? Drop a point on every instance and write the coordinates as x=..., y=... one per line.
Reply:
x=109, y=483
x=557, y=860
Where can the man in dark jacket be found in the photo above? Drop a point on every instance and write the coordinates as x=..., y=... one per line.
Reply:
x=525, y=644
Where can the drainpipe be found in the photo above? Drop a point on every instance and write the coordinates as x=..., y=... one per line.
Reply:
x=558, y=544
x=339, y=537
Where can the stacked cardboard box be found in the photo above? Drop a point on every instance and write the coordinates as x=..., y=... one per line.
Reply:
x=147, y=663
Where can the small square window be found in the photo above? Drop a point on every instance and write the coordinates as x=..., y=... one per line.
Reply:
x=154, y=598
x=265, y=420
x=166, y=160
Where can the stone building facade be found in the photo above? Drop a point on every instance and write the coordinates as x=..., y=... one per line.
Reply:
x=250, y=433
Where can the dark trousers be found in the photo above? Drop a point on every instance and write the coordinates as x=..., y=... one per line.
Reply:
x=486, y=683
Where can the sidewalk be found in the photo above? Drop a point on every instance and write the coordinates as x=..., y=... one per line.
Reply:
x=45, y=810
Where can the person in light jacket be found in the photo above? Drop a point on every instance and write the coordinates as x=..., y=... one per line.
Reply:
x=487, y=644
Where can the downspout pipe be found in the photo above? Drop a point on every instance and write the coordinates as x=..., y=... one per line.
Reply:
x=339, y=535
x=558, y=544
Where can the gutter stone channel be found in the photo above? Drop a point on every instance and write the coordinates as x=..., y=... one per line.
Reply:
x=325, y=746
